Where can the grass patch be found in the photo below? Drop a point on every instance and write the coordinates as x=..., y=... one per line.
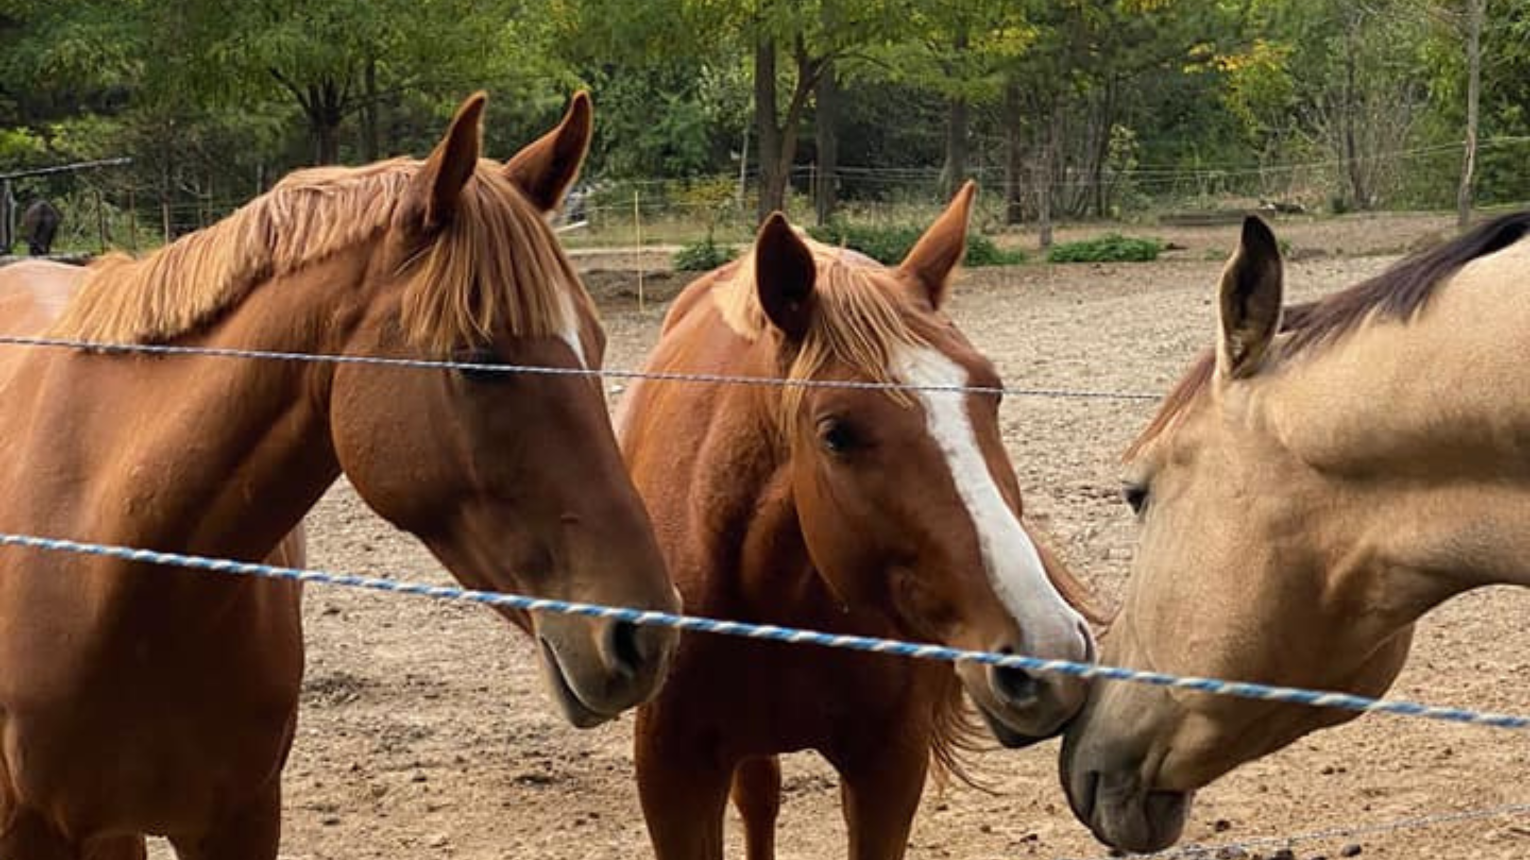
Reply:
x=1110, y=248
x=889, y=245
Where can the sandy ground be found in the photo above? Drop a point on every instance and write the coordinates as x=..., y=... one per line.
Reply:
x=424, y=733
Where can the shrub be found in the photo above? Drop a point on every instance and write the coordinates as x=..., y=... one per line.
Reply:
x=886, y=245
x=702, y=256
x=889, y=245
x=981, y=251
x=1110, y=248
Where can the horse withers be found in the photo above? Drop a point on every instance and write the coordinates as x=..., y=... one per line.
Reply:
x=136, y=700
x=1324, y=477
x=875, y=512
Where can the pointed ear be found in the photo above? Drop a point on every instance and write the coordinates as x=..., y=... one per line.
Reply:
x=546, y=168
x=784, y=274
x=438, y=186
x=942, y=247
x=1251, y=297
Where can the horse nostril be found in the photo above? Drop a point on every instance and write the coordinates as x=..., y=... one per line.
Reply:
x=626, y=650
x=1089, y=652
x=1016, y=686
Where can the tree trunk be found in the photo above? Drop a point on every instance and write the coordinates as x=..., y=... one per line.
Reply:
x=1048, y=178
x=1348, y=118
x=778, y=139
x=1014, y=153
x=1107, y=122
x=1475, y=12
x=954, y=171
x=371, y=142
x=772, y=183
x=326, y=140
x=826, y=190
x=325, y=106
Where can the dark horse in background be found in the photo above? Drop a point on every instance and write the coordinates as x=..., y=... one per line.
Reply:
x=39, y=226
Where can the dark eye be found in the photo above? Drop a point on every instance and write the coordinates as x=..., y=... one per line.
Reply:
x=480, y=356
x=1136, y=497
x=836, y=436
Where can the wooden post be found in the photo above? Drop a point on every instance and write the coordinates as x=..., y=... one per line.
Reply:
x=101, y=234
x=132, y=221
x=7, y=217
x=1475, y=12
x=637, y=226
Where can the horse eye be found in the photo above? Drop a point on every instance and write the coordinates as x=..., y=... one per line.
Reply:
x=483, y=356
x=1136, y=496
x=836, y=436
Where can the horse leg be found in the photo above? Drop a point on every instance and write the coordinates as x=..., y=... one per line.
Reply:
x=251, y=832
x=684, y=794
x=25, y=835
x=116, y=848
x=880, y=794
x=757, y=794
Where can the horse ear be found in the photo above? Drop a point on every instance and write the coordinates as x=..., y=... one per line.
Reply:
x=439, y=184
x=784, y=274
x=547, y=167
x=1251, y=296
x=942, y=247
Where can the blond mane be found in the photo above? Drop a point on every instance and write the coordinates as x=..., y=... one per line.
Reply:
x=496, y=267
x=861, y=318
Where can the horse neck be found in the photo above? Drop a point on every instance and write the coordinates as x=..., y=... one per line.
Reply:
x=731, y=457
x=1427, y=423
x=226, y=454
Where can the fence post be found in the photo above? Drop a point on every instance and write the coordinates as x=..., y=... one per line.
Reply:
x=7, y=217
x=132, y=221
x=100, y=218
x=637, y=226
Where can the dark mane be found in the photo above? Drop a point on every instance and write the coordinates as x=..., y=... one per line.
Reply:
x=1398, y=293
x=1401, y=291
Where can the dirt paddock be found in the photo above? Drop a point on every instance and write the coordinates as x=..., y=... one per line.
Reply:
x=424, y=733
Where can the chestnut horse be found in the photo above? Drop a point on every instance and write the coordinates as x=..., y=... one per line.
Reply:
x=868, y=512
x=1315, y=485
x=136, y=700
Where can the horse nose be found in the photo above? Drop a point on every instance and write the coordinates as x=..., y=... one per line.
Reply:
x=1017, y=687
x=631, y=650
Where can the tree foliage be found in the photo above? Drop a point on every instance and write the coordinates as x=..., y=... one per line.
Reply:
x=1064, y=107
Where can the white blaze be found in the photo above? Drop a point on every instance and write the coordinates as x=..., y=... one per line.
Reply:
x=1050, y=627
x=570, y=333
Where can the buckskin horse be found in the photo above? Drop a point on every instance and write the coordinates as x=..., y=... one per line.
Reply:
x=1314, y=485
x=872, y=512
x=139, y=700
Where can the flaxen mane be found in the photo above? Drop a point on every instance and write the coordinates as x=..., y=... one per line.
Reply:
x=861, y=318
x=1399, y=293
x=495, y=267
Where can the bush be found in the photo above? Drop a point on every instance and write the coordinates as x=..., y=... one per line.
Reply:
x=703, y=256
x=981, y=251
x=1110, y=248
x=889, y=245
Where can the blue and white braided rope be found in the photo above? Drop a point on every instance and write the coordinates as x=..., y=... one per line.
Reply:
x=795, y=636
x=538, y=370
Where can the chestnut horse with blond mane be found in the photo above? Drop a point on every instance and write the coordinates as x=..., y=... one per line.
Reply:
x=1323, y=478
x=874, y=512
x=136, y=700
